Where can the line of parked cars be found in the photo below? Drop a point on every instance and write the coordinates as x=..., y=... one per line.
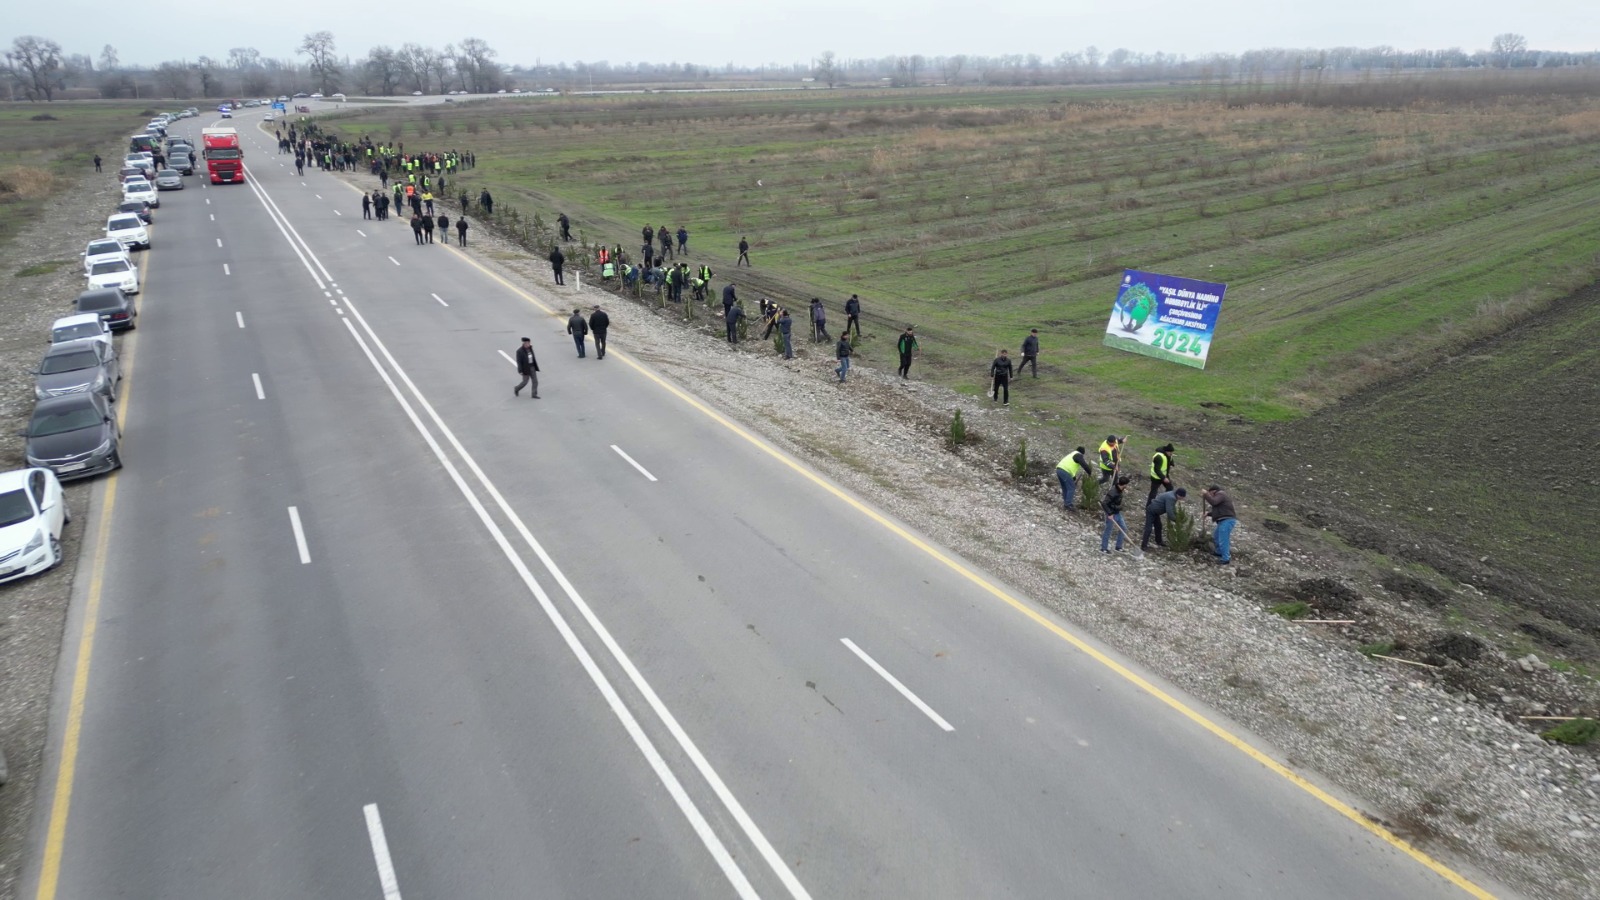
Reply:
x=73, y=431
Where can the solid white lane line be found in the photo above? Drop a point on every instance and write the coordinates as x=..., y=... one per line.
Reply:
x=642, y=470
x=658, y=764
x=226, y=270
x=904, y=691
x=669, y=779
x=380, y=853
x=508, y=358
x=360, y=232
x=299, y=536
x=240, y=317
x=440, y=299
x=256, y=377
x=395, y=261
x=219, y=242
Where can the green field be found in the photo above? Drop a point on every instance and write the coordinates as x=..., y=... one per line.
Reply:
x=1355, y=242
x=44, y=144
x=1400, y=276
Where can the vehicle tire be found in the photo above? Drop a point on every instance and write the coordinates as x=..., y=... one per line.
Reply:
x=112, y=394
x=55, y=550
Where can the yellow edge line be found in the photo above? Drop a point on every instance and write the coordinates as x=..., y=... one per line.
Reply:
x=66, y=769
x=1187, y=712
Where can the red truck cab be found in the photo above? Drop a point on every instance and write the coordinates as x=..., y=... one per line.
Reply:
x=224, y=157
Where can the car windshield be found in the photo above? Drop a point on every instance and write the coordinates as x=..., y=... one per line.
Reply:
x=99, y=247
x=124, y=223
x=224, y=153
x=15, y=507
x=134, y=187
x=76, y=332
x=96, y=301
x=110, y=266
x=167, y=173
x=77, y=418
x=56, y=363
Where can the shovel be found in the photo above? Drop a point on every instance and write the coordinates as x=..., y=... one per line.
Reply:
x=1134, y=548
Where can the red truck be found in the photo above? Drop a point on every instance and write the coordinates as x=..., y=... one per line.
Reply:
x=224, y=158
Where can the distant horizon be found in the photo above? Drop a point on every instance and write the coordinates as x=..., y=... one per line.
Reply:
x=712, y=34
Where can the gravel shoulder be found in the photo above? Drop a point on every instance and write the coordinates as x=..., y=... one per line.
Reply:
x=1416, y=748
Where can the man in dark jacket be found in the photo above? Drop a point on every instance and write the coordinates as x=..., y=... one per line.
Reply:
x=907, y=345
x=528, y=368
x=1111, y=507
x=784, y=324
x=852, y=315
x=1000, y=371
x=732, y=313
x=486, y=202
x=729, y=297
x=744, y=253
x=557, y=260
x=1219, y=509
x=819, y=321
x=842, y=352
x=1162, y=504
x=566, y=226
x=683, y=240
x=461, y=230
x=1030, y=353
x=579, y=329
x=444, y=228
x=598, y=323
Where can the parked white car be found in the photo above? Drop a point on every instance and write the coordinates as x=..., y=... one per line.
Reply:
x=140, y=189
x=102, y=249
x=114, y=273
x=81, y=327
x=33, y=512
x=130, y=230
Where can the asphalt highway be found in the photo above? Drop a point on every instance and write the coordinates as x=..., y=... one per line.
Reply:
x=366, y=625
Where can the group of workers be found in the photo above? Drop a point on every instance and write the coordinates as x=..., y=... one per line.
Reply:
x=1160, y=504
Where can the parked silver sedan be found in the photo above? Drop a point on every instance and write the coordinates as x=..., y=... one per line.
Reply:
x=77, y=367
x=169, y=180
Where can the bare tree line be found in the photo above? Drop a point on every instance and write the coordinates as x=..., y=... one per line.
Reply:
x=36, y=68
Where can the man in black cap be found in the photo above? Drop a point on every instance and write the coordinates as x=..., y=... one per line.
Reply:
x=528, y=368
x=579, y=329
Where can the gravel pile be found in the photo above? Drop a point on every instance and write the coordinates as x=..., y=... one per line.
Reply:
x=1441, y=768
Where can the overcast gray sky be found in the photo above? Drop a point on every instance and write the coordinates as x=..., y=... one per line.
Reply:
x=713, y=32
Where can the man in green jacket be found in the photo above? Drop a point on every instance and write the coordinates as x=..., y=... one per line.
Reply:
x=907, y=345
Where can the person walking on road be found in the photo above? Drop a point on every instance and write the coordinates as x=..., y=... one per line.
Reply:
x=1160, y=471
x=1219, y=509
x=852, y=315
x=731, y=314
x=366, y=206
x=784, y=324
x=841, y=352
x=416, y=228
x=1030, y=353
x=579, y=329
x=907, y=345
x=744, y=253
x=557, y=260
x=1069, y=472
x=427, y=226
x=461, y=230
x=444, y=229
x=528, y=368
x=1000, y=372
x=1162, y=504
x=1111, y=507
x=598, y=323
